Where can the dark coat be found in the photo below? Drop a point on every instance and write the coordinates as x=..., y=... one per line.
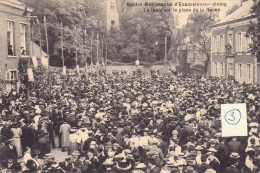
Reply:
x=65, y=166
x=231, y=169
x=155, y=170
x=163, y=146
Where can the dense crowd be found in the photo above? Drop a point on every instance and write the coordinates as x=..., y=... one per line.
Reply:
x=127, y=124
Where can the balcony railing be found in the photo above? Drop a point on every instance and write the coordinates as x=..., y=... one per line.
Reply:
x=229, y=51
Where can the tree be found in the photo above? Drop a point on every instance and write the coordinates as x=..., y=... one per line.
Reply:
x=254, y=30
x=140, y=31
x=145, y=33
x=77, y=16
x=197, y=31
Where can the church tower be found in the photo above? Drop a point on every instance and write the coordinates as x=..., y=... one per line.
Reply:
x=112, y=15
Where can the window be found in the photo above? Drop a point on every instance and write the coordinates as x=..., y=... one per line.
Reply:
x=10, y=38
x=239, y=42
x=249, y=72
x=230, y=40
x=112, y=5
x=239, y=72
x=222, y=69
x=222, y=44
x=248, y=43
x=218, y=44
x=215, y=44
x=230, y=69
x=23, y=39
x=216, y=68
x=12, y=75
x=112, y=22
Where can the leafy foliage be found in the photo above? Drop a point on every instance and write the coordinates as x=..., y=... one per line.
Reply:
x=197, y=32
x=254, y=30
x=141, y=33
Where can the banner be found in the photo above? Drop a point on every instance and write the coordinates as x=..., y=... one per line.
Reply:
x=30, y=75
x=137, y=62
x=64, y=71
x=78, y=71
x=45, y=61
x=35, y=62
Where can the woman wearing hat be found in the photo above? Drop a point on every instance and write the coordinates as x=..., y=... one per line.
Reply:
x=73, y=137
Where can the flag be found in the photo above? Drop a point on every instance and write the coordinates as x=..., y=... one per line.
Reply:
x=35, y=62
x=44, y=20
x=64, y=71
x=45, y=61
x=30, y=75
x=137, y=62
x=78, y=71
x=37, y=21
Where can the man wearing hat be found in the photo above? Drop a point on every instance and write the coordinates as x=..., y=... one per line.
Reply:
x=212, y=159
x=91, y=162
x=152, y=166
x=161, y=144
x=76, y=163
x=65, y=132
x=222, y=153
x=234, y=145
x=233, y=168
x=9, y=151
x=107, y=167
x=66, y=164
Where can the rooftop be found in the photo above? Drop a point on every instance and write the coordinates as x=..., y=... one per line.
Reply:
x=241, y=13
x=15, y=4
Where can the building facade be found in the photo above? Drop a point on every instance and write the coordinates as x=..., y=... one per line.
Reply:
x=13, y=40
x=230, y=51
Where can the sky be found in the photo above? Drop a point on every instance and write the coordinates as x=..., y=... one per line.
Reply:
x=221, y=5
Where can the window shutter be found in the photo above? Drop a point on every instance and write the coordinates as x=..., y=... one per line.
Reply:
x=213, y=69
x=212, y=45
x=251, y=73
x=7, y=75
x=247, y=72
x=237, y=45
x=219, y=69
x=236, y=71
x=223, y=44
x=244, y=40
x=17, y=74
x=224, y=69
x=244, y=73
x=218, y=44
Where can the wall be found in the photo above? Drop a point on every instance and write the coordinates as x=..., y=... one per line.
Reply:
x=15, y=14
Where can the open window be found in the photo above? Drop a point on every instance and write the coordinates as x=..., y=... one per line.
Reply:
x=10, y=38
x=12, y=75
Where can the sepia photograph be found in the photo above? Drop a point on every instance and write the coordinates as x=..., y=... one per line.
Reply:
x=129, y=86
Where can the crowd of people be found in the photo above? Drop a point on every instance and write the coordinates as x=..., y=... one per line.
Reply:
x=127, y=124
